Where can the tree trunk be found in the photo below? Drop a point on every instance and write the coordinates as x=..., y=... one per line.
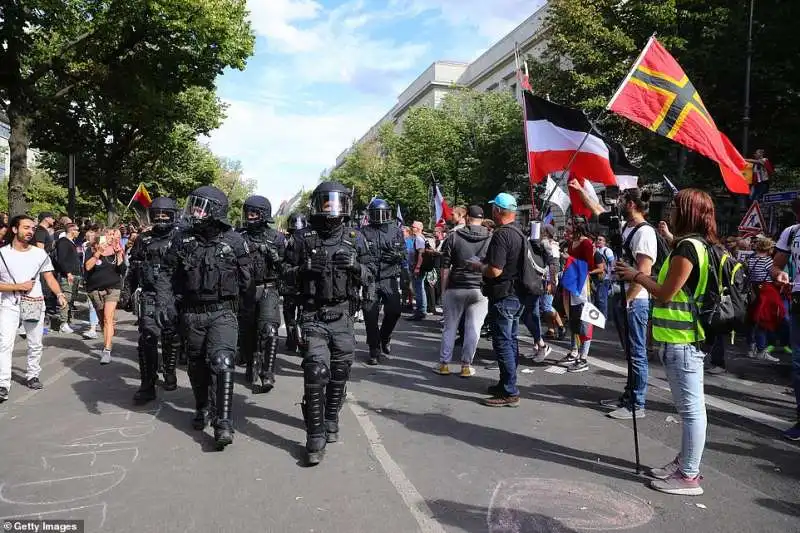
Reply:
x=20, y=175
x=109, y=202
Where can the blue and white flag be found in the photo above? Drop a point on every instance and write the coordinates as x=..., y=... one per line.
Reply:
x=671, y=185
x=399, y=216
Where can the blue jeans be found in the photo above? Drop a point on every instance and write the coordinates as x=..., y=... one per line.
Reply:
x=419, y=294
x=760, y=337
x=93, y=320
x=532, y=317
x=504, y=316
x=683, y=364
x=638, y=315
x=794, y=333
x=601, y=289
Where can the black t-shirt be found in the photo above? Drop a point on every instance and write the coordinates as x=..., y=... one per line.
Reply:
x=686, y=249
x=504, y=252
x=599, y=259
x=41, y=235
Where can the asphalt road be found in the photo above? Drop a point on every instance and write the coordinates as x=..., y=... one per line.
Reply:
x=417, y=451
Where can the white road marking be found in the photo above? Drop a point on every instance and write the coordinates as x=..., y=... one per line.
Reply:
x=723, y=405
x=413, y=499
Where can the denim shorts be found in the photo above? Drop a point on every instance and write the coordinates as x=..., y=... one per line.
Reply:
x=546, y=303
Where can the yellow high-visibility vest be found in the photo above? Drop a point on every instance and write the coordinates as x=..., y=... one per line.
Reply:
x=674, y=322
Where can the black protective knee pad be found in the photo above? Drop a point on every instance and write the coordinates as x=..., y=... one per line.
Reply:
x=315, y=373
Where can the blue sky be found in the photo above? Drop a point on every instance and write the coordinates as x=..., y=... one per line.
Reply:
x=324, y=71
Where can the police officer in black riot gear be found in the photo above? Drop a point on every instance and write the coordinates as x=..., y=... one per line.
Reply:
x=210, y=266
x=331, y=268
x=260, y=309
x=387, y=250
x=296, y=226
x=146, y=267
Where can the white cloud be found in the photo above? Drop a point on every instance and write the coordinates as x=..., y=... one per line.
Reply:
x=274, y=20
x=490, y=18
x=284, y=151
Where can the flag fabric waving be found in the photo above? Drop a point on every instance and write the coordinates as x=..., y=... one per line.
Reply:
x=399, y=216
x=141, y=196
x=443, y=211
x=658, y=95
x=556, y=134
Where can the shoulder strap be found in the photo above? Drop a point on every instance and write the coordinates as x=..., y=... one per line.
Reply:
x=6, y=265
x=627, y=243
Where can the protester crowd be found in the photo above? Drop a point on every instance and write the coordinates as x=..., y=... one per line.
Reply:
x=484, y=275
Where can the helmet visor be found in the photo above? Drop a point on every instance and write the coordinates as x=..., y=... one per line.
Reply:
x=379, y=216
x=296, y=223
x=331, y=204
x=198, y=208
x=252, y=214
x=162, y=216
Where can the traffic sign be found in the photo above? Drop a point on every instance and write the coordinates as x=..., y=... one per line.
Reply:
x=753, y=221
x=779, y=197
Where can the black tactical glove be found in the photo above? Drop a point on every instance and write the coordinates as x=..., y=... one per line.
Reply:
x=346, y=261
x=316, y=262
x=392, y=257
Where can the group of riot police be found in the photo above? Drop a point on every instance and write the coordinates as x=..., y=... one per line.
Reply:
x=213, y=294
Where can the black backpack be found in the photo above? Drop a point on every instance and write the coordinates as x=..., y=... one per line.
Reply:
x=728, y=295
x=662, y=247
x=533, y=265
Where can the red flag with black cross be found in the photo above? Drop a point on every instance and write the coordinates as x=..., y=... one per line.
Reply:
x=658, y=95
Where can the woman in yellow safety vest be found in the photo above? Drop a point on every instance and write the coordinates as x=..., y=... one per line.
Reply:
x=677, y=331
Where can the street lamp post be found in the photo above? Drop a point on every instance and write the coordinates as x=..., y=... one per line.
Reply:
x=746, y=116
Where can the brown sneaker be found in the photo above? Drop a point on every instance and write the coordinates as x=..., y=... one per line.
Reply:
x=502, y=401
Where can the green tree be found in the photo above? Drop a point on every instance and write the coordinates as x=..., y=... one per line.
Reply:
x=232, y=182
x=133, y=52
x=592, y=45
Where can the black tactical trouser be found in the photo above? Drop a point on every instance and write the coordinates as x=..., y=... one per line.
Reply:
x=211, y=333
x=291, y=319
x=327, y=358
x=259, y=321
x=387, y=294
x=150, y=332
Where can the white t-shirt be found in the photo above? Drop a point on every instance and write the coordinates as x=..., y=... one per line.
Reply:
x=608, y=255
x=24, y=266
x=793, y=249
x=643, y=243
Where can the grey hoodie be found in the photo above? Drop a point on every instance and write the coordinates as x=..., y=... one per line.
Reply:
x=458, y=247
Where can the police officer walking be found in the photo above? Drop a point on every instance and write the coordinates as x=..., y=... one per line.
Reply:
x=260, y=309
x=330, y=271
x=210, y=263
x=387, y=250
x=146, y=267
x=296, y=226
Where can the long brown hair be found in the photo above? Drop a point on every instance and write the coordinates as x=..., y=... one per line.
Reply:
x=694, y=213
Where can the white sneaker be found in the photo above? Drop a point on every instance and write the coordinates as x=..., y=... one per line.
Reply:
x=541, y=353
x=752, y=353
x=105, y=357
x=66, y=329
x=90, y=334
x=764, y=355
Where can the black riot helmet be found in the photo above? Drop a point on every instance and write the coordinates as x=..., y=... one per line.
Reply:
x=163, y=213
x=256, y=212
x=206, y=204
x=379, y=212
x=296, y=221
x=331, y=203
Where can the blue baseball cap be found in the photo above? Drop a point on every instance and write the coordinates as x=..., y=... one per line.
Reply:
x=505, y=201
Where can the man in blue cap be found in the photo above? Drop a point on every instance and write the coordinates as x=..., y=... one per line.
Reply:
x=501, y=276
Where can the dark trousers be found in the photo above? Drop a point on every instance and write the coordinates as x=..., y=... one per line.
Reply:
x=327, y=358
x=387, y=295
x=211, y=338
x=150, y=333
x=259, y=320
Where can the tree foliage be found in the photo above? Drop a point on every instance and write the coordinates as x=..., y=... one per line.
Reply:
x=592, y=45
x=472, y=146
x=109, y=65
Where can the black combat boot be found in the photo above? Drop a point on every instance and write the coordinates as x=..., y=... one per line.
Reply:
x=313, y=412
x=267, y=373
x=147, y=390
x=223, y=424
x=334, y=398
x=170, y=345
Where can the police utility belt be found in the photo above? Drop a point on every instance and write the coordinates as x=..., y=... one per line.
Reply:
x=267, y=285
x=210, y=307
x=330, y=312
